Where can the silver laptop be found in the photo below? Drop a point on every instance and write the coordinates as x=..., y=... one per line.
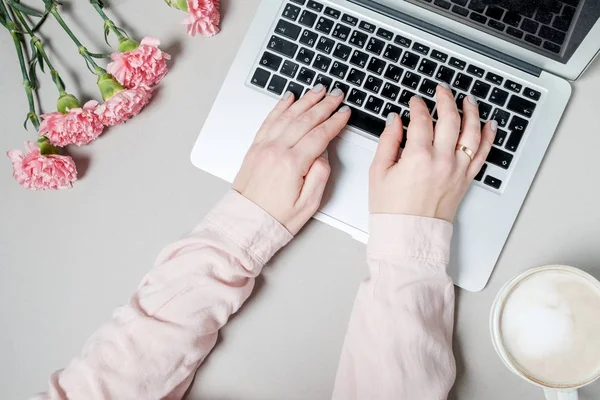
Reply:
x=517, y=58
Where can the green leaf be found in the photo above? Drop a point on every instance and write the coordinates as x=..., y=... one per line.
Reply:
x=33, y=73
x=99, y=55
x=106, y=32
x=25, y=9
x=40, y=22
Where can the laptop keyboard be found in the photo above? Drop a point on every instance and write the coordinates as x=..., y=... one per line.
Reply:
x=380, y=70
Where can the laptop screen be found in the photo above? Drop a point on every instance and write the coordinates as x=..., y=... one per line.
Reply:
x=551, y=28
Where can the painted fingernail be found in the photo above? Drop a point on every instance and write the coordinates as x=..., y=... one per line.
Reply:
x=472, y=99
x=344, y=109
x=445, y=85
x=390, y=119
x=287, y=95
x=336, y=92
x=318, y=88
x=494, y=125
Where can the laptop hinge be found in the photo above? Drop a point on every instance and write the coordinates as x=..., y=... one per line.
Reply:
x=450, y=36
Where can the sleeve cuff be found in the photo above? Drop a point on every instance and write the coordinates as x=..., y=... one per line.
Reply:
x=249, y=226
x=410, y=236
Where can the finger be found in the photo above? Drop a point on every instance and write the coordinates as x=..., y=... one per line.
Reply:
x=388, y=148
x=470, y=136
x=420, y=129
x=448, y=124
x=313, y=144
x=487, y=139
x=282, y=105
x=315, y=182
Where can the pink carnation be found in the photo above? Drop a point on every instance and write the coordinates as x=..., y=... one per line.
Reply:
x=146, y=64
x=78, y=126
x=39, y=172
x=203, y=17
x=124, y=105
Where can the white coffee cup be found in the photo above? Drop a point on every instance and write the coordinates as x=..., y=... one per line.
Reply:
x=568, y=322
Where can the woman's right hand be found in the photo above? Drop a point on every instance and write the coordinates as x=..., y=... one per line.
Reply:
x=432, y=176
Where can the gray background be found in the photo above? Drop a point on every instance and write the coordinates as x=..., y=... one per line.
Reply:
x=68, y=258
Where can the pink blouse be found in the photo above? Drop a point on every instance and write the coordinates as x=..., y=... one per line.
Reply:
x=399, y=340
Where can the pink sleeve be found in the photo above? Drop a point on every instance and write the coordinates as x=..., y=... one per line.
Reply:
x=153, y=345
x=399, y=340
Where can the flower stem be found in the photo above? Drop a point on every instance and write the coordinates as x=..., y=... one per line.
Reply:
x=108, y=23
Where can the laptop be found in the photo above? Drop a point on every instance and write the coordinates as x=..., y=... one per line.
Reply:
x=516, y=59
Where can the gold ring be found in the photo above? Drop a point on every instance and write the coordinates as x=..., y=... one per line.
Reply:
x=466, y=150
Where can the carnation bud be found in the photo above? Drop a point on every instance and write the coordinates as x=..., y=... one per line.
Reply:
x=109, y=86
x=127, y=44
x=67, y=102
x=46, y=147
x=178, y=4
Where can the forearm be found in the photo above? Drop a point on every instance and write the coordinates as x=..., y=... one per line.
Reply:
x=399, y=340
x=154, y=344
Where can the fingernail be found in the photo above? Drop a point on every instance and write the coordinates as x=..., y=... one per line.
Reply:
x=494, y=125
x=445, y=85
x=318, y=88
x=344, y=109
x=336, y=92
x=472, y=99
x=287, y=95
x=390, y=119
x=416, y=97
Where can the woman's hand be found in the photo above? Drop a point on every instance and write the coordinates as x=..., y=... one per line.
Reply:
x=284, y=171
x=432, y=176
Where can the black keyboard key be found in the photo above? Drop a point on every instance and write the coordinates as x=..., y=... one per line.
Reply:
x=485, y=111
x=428, y=87
x=552, y=47
x=497, y=79
x=306, y=76
x=493, y=182
x=330, y=12
x=376, y=66
x=289, y=68
x=496, y=25
x=356, y=76
x=324, y=25
x=532, y=94
x=521, y=106
x=568, y=12
x=514, y=32
x=480, y=89
x=282, y=46
x=476, y=71
x=429, y=103
x=443, y=4
x=342, y=51
x=277, y=84
x=501, y=117
x=391, y=108
x=342, y=86
x=460, y=2
x=295, y=88
x=463, y=12
x=322, y=63
x=374, y=104
x=552, y=35
x=445, y=74
x=405, y=117
x=260, y=77
x=393, y=73
x=308, y=19
x=456, y=63
x=494, y=12
x=291, y=12
x=427, y=67
x=392, y=52
x=357, y=97
x=562, y=23
x=460, y=99
x=402, y=41
x=512, y=144
x=338, y=70
x=366, y=122
x=514, y=86
x=384, y=33
x=512, y=18
x=500, y=158
x=367, y=26
x=477, y=5
x=529, y=25
x=301, y=2
x=498, y=96
x=543, y=16
x=479, y=175
x=349, y=19
x=375, y=46
x=325, y=44
x=500, y=137
x=420, y=48
x=390, y=91
x=438, y=55
x=358, y=39
x=288, y=29
x=478, y=17
x=411, y=80
x=373, y=84
x=462, y=82
x=342, y=32
x=410, y=60
x=518, y=124
x=405, y=97
x=308, y=38
x=305, y=56
x=270, y=61
x=359, y=58
x=315, y=6
x=533, y=40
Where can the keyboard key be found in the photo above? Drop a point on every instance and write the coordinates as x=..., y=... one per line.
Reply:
x=342, y=86
x=501, y=117
x=478, y=17
x=562, y=23
x=460, y=99
x=500, y=158
x=288, y=29
x=480, y=89
x=462, y=82
x=428, y=87
x=358, y=39
x=493, y=182
x=405, y=97
x=543, y=16
x=533, y=40
x=497, y=79
x=429, y=103
x=456, y=63
x=282, y=46
x=411, y=80
x=295, y=88
x=405, y=117
x=374, y=104
x=494, y=12
x=330, y=12
x=277, y=84
x=410, y=60
x=301, y=2
x=463, y=12
x=521, y=106
x=260, y=77
x=357, y=97
x=442, y=3
x=391, y=108
x=359, y=58
x=529, y=25
x=270, y=61
x=532, y=94
x=479, y=176
x=500, y=137
x=384, y=33
x=512, y=144
x=390, y=91
x=402, y=41
x=392, y=52
x=305, y=56
x=512, y=18
x=289, y=68
x=427, y=67
x=445, y=74
x=357, y=77
x=514, y=32
x=420, y=48
x=485, y=111
x=476, y=71
x=325, y=44
x=308, y=38
x=315, y=6
x=568, y=12
x=291, y=12
x=342, y=51
x=552, y=47
x=324, y=25
x=438, y=55
x=322, y=63
x=375, y=46
x=306, y=76
x=393, y=73
x=342, y=32
x=308, y=19
x=376, y=66
x=366, y=122
x=460, y=2
x=496, y=25
x=477, y=5
x=552, y=35
x=367, y=26
x=518, y=124
x=349, y=19
x=373, y=84
x=338, y=70
x=498, y=96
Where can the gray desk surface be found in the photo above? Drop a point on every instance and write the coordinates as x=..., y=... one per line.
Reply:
x=68, y=258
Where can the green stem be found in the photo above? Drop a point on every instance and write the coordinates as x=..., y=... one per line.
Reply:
x=107, y=21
